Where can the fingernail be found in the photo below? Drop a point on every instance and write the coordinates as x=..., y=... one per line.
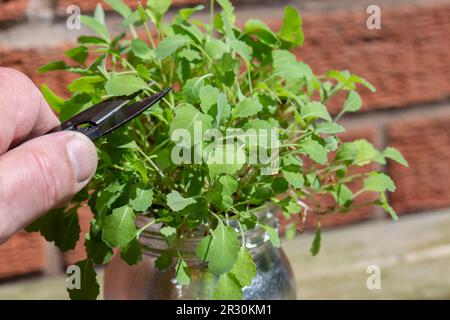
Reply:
x=82, y=156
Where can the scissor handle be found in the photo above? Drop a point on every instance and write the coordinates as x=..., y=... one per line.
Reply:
x=91, y=131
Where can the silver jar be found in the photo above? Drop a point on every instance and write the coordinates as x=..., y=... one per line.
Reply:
x=274, y=277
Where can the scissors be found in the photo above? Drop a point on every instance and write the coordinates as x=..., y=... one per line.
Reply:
x=109, y=115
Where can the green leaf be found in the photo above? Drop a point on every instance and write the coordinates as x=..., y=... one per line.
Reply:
x=259, y=28
x=124, y=85
x=227, y=288
x=164, y=261
x=132, y=253
x=242, y=49
x=120, y=7
x=182, y=274
x=315, y=110
x=78, y=54
x=379, y=182
x=329, y=128
x=58, y=226
x=141, y=199
x=273, y=235
x=291, y=231
x=393, y=154
x=244, y=269
x=96, y=26
x=169, y=233
x=215, y=48
x=186, y=14
x=68, y=232
x=291, y=30
x=176, y=202
x=52, y=99
x=223, y=249
x=246, y=108
x=89, y=84
x=285, y=65
x=119, y=228
x=385, y=205
x=97, y=249
x=315, y=151
x=169, y=45
x=208, y=97
x=353, y=102
x=89, y=288
x=52, y=66
x=359, y=152
x=91, y=40
x=99, y=14
x=190, y=55
x=295, y=179
x=220, y=161
x=315, y=246
x=141, y=50
x=158, y=9
x=186, y=118
x=229, y=185
x=228, y=9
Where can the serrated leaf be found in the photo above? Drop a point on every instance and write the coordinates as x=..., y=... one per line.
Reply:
x=124, y=85
x=244, y=50
x=208, y=97
x=132, y=253
x=141, y=49
x=169, y=45
x=120, y=7
x=68, y=232
x=295, y=179
x=394, y=154
x=245, y=268
x=329, y=128
x=177, y=202
x=220, y=161
x=119, y=228
x=52, y=99
x=259, y=28
x=89, y=288
x=223, y=249
x=96, y=26
x=78, y=54
x=315, y=151
x=291, y=30
x=379, y=182
x=246, y=108
x=163, y=261
x=52, y=66
x=97, y=249
x=182, y=274
x=227, y=288
x=215, y=48
x=353, y=102
x=315, y=109
x=186, y=118
x=89, y=84
x=141, y=199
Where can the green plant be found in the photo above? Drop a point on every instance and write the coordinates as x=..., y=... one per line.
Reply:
x=224, y=77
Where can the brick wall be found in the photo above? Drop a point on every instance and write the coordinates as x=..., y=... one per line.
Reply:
x=407, y=60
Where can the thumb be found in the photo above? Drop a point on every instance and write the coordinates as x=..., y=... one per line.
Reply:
x=40, y=174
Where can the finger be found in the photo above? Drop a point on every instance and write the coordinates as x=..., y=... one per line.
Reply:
x=24, y=114
x=41, y=174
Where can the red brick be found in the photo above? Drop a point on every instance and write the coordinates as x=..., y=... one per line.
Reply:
x=12, y=9
x=29, y=60
x=23, y=253
x=425, y=143
x=89, y=5
x=404, y=59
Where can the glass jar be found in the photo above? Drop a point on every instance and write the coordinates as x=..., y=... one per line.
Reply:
x=274, y=277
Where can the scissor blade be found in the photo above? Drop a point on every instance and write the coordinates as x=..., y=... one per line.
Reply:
x=126, y=113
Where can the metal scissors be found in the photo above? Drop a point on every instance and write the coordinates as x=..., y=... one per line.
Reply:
x=109, y=115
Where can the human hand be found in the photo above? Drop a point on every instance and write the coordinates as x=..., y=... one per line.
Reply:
x=44, y=172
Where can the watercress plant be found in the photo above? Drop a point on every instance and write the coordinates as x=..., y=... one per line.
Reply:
x=224, y=76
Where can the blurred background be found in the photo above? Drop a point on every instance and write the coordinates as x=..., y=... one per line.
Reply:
x=407, y=59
